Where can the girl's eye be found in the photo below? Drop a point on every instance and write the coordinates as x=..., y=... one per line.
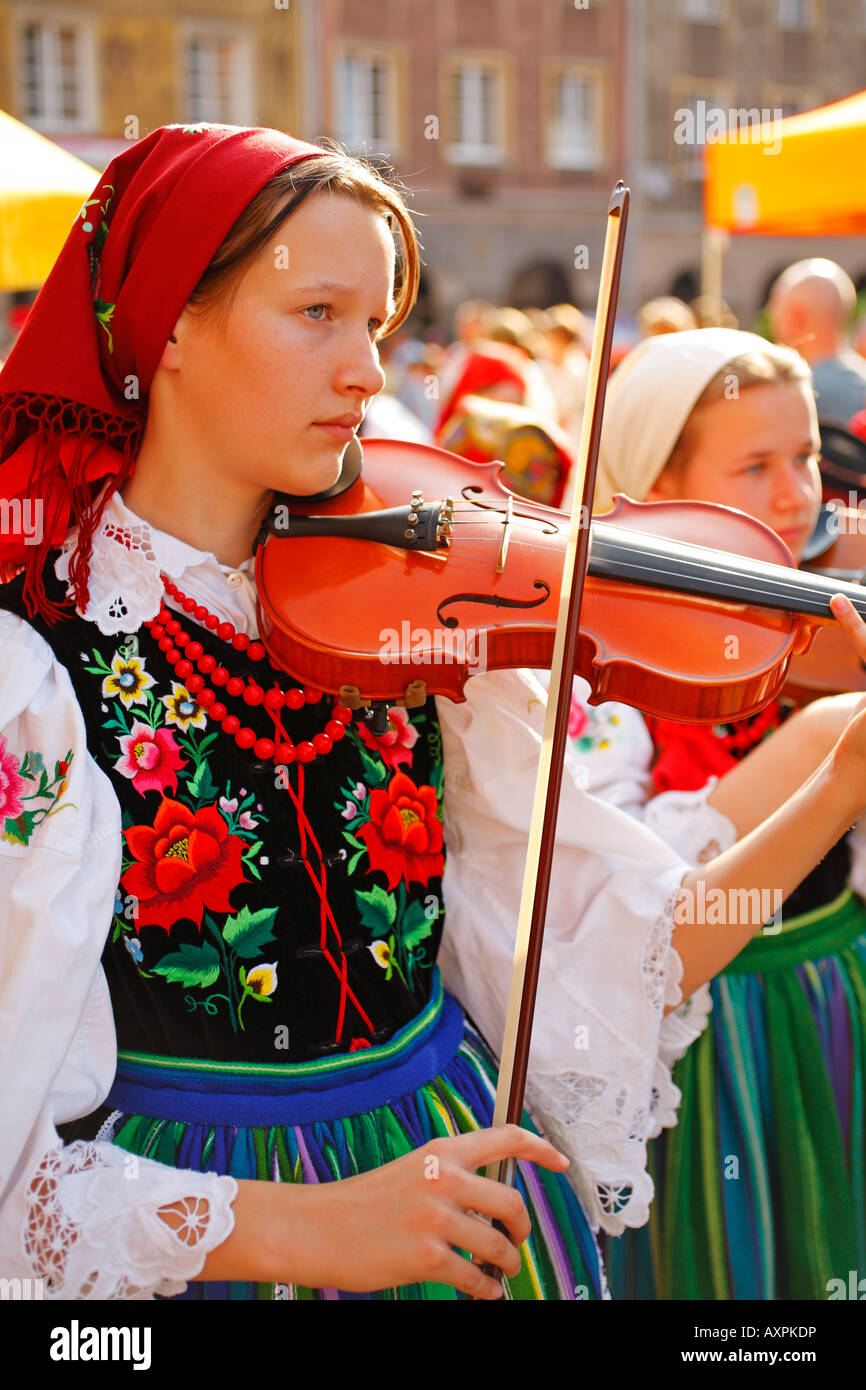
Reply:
x=805, y=459
x=310, y=308
x=755, y=468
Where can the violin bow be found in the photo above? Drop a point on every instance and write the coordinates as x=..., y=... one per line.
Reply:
x=536, y=880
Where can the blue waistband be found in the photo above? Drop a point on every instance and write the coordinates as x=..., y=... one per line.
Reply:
x=197, y=1091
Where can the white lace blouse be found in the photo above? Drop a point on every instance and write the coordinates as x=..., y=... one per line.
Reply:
x=85, y=1218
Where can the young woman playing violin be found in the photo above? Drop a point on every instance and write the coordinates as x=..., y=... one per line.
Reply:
x=760, y=1190
x=222, y=893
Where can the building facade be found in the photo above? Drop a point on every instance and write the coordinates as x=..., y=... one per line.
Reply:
x=508, y=120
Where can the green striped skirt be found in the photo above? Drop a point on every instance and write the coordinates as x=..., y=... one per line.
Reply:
x=320, y=1121
x=760, y=1188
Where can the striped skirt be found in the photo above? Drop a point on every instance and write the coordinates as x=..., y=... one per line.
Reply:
x=320, y=1121
x=761, y=1187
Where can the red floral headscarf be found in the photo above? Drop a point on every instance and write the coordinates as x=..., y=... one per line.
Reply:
x=73, y=392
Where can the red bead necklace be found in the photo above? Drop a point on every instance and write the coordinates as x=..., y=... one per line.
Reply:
x=191, y=664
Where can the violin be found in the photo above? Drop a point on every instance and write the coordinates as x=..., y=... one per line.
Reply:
x=838, y=550
x=692, y=611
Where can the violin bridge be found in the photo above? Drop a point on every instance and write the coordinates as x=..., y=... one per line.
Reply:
x=506, y=535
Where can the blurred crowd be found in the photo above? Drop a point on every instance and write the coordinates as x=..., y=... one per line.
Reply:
x=512, y=384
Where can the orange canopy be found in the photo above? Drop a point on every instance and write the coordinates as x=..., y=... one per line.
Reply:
x=801, y=176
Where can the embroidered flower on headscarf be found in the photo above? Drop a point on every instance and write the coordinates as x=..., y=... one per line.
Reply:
x=393, y=747
x=404, y=834
x=183, y=708
x=151, y=758
x=128, y=679
x=186, y=863
x=11, y=785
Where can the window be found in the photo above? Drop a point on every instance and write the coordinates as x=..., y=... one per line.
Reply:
x=702, y=115
x=795, y=14
x=574, y=133
x=57, y=73
x=703, y=11
x=365, y=100
x=478, y=113
x=217, y=77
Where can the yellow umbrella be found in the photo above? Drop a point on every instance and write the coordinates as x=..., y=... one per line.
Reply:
x=801, y=176
x=42, y=189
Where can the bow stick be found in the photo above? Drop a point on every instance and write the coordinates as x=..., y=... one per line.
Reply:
x=536, y=880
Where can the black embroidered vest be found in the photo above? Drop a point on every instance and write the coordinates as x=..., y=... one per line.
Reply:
x=245, y=928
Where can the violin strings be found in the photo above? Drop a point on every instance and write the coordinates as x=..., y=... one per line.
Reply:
x=791, y=588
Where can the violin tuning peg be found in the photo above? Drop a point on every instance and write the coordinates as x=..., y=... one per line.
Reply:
x=409, y=534
x=413, y=517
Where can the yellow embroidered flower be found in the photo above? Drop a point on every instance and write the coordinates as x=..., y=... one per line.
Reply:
x=262, y=980
x=128, y=679
x=258, y=985
x=183, y=708
x=381, y=953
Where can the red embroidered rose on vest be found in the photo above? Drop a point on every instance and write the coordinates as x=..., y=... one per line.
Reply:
x=404, y=835
x=188, y=862
x=151, y=758
x=395, y=746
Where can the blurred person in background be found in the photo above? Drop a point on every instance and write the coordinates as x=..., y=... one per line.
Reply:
x=710, y=312
x=811, y=306
x=494, y=413
x=567, y=368
x=470, y=324
x=665, y=315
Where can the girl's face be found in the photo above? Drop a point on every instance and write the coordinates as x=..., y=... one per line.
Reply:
x=297, y=348
x=759, y=453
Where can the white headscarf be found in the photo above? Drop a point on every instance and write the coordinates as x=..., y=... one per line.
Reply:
x=650, y=397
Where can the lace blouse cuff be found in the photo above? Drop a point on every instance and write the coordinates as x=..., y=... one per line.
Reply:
x=94, y=1229
x=686, y=822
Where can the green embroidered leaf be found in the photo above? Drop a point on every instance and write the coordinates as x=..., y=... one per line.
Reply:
x=253, y=850
x=415, y=925
x=191, y=965
x=206, y=743
x=378, y=909
x=353, y=862
x=247, y=932
x=202, y=784
x=374, y=768
x=358, y=844
x=19, y=830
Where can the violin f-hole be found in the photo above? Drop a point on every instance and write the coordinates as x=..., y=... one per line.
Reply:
x=494, y=601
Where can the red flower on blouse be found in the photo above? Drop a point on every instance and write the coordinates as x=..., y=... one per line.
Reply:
x=186, y=863
x=404, y=835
